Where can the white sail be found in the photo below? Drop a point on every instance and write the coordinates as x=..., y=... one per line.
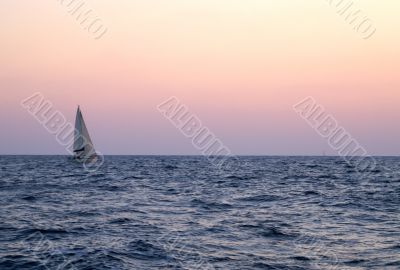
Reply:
x=83, y=146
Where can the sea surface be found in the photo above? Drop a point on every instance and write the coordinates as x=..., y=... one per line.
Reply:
x=181, y=212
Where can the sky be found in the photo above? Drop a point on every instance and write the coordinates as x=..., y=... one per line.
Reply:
x=239, y=66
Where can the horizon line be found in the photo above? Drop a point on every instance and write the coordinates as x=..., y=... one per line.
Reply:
x=198, y=155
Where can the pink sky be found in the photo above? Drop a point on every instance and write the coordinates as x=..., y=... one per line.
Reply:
x=238, y=65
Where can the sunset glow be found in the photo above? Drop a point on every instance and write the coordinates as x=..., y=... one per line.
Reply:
x=240, y=66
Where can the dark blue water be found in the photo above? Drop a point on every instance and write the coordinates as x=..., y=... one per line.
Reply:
x=146, y=212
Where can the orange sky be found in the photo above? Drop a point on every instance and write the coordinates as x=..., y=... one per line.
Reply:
x=238, y=65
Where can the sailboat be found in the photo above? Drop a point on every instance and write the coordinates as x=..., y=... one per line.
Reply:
x=83, y=146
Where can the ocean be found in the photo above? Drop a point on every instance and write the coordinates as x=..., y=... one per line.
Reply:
x=181, y=212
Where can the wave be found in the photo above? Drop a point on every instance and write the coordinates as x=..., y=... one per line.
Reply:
x=120, y=221
x=246, y=219
x=45, y=231
x=274, y=232
x=210, y=205
x=259, y=198
x=140, y=249
x=18, y=262
x=29, y=198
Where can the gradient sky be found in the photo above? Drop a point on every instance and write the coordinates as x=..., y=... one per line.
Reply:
x=238, y=65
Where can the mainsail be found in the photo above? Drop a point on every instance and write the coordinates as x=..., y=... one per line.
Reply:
x=83, y=146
